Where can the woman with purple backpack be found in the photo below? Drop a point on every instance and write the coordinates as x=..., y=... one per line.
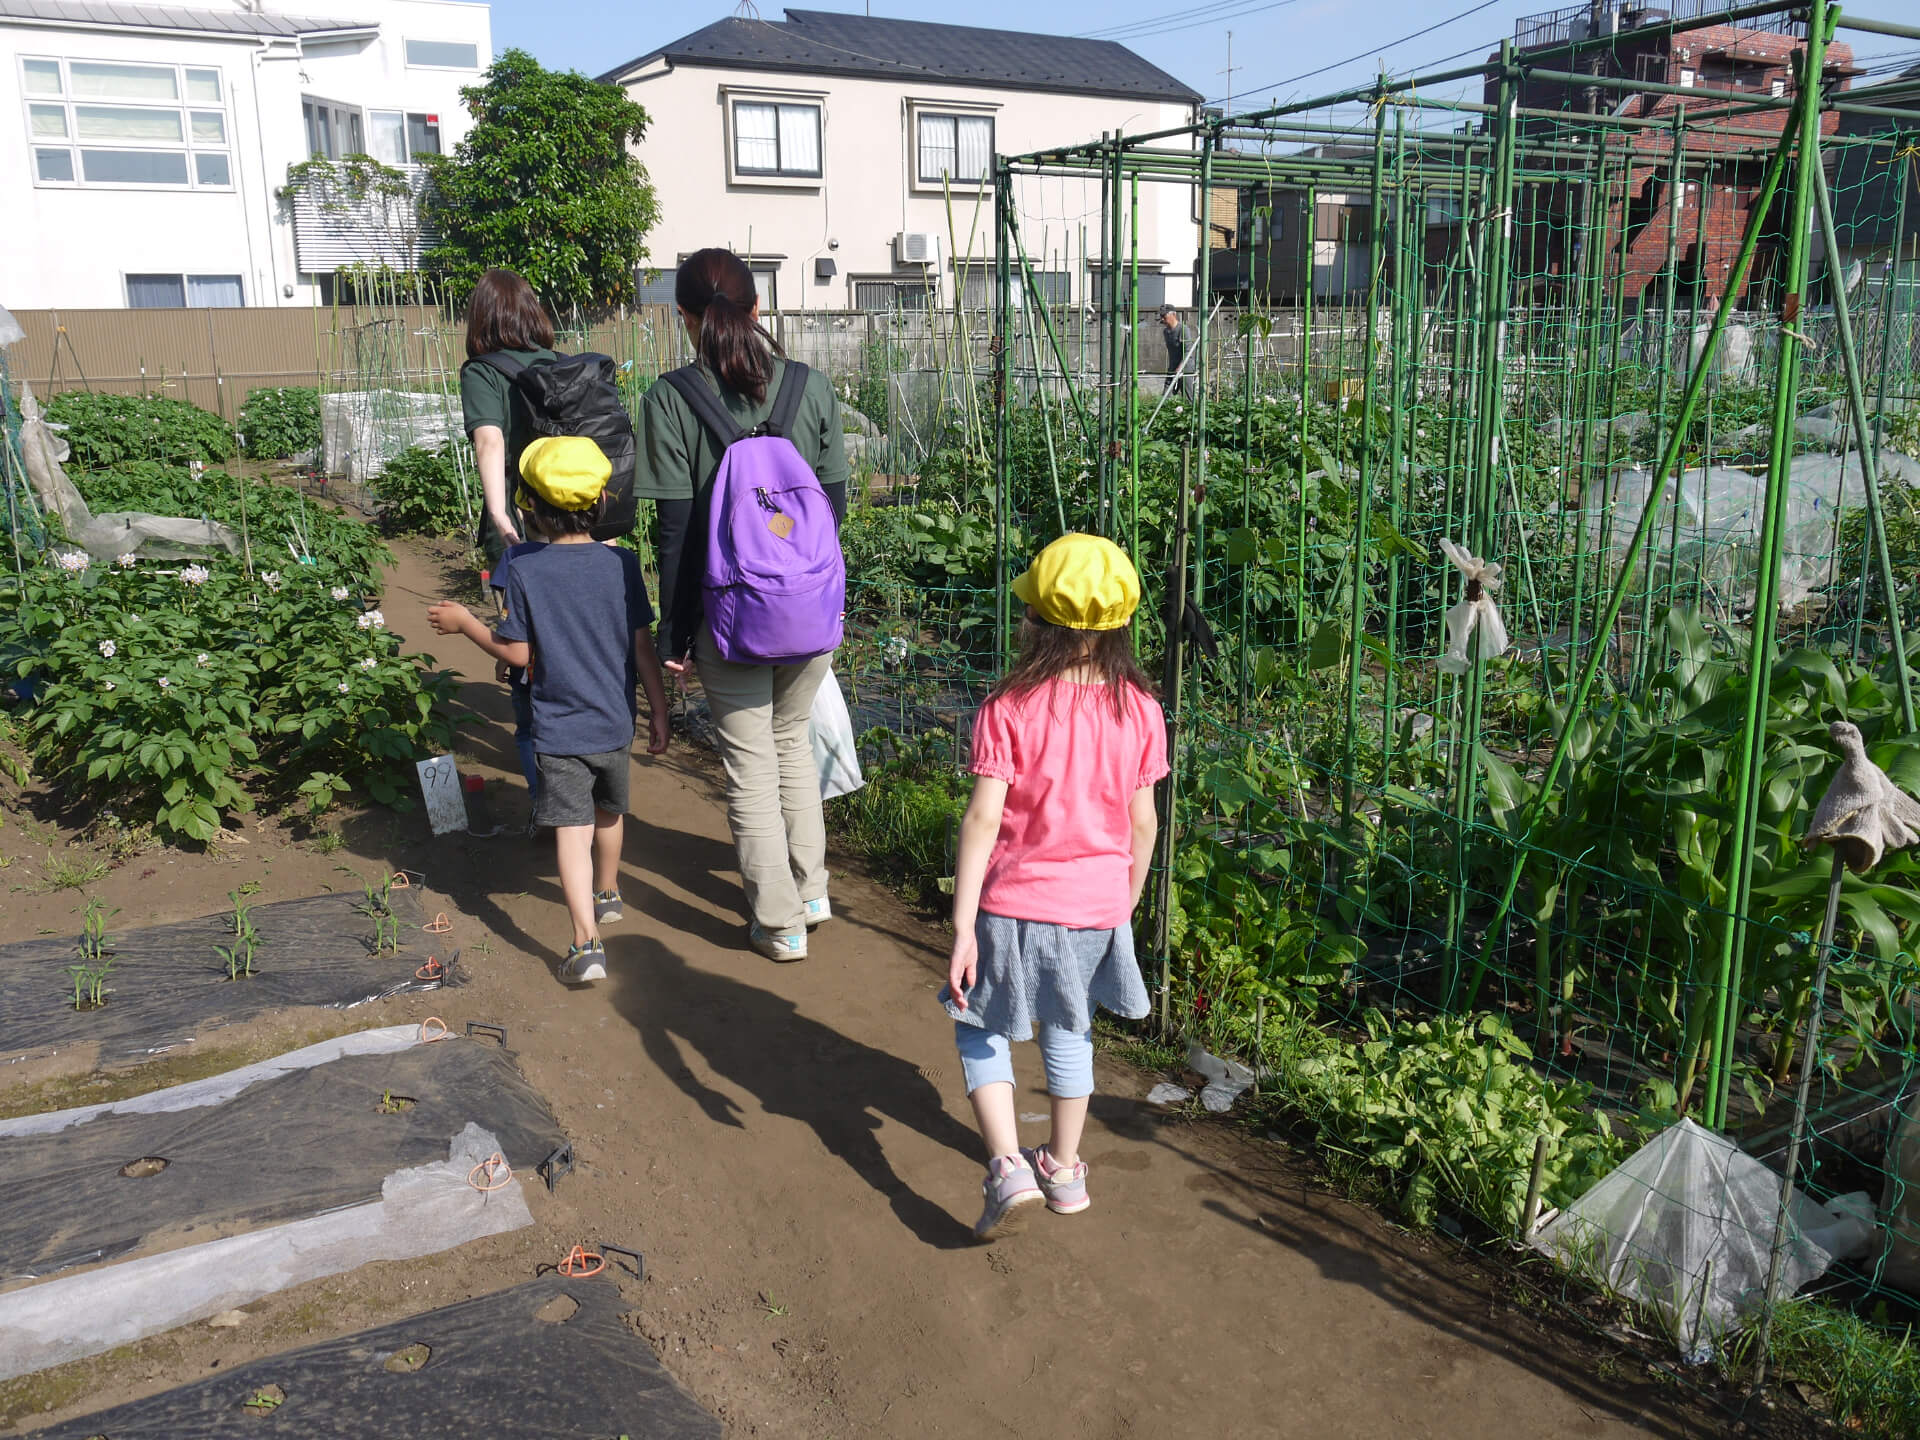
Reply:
x=743, y=455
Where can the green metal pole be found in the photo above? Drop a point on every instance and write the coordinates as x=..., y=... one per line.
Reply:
x=1310, y=248
x=1133, y=376
x=1766, y=605
x=1869, y=441
x=1677, y=188
x=1036, y=301
x=1603, y=630
x=1363, y=502
x=1404, y=274
x=1002, y=300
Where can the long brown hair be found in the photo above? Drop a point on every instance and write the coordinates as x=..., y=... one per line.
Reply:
x=716, y=287
x=1049, y=651
x=503, y=313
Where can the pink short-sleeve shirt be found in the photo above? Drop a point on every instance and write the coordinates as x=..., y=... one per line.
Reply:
x=1065, y=850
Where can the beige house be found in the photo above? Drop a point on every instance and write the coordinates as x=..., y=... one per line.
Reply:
x=851, y=159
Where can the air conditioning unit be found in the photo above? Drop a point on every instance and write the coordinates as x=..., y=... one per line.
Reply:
x=913, y=247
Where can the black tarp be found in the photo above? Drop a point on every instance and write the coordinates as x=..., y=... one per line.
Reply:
x=494, y=1369
x=295, y=1145
x=168, y=986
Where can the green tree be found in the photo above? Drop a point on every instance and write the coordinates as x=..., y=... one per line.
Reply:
x=543, y=185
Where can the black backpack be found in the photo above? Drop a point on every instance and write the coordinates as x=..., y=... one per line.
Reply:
x=576, y=395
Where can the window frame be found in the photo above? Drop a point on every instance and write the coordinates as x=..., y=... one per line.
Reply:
x=956, y=111
x=429, y=119
x=337, y=111
x=733, y=97
x=127, y=277
x=408, y=62
x=183, y=104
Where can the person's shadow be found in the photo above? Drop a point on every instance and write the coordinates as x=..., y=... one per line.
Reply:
x=797, y=1067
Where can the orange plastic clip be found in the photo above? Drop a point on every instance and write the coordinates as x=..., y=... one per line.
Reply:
x=496, y=1173
x=398, y=881
x=439, y=925
x=427, y=1037
x=582, y=1262
x=432, y=970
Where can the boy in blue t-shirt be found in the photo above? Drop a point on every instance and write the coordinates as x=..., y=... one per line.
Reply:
x=579, y=623
x=515, y=678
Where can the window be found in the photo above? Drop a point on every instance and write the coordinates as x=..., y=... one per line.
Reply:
x=176, y=292
x=94, y=122
x=776, y=139
x=655, y=291
x=890, y=295
x=766, y=287
x=954, y=147
x=398, y=136
x=333, y=130
x=1776, y=88
x=442, y=55
x=1153, y=289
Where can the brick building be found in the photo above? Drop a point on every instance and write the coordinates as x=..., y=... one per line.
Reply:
x=1723, y=164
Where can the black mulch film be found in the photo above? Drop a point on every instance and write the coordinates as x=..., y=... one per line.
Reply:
x=167, y=985
x=491, y=1366
x=301, y=1143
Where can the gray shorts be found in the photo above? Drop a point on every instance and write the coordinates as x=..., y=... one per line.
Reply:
x=572, y=787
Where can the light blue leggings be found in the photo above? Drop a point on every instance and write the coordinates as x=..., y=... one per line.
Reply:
x=986, y=1057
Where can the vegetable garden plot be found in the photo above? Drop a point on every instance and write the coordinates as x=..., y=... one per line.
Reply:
x=550, y=1360
x=167, y=983
x=297, y=1143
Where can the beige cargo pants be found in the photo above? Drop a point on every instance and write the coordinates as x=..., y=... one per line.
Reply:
x=761, y=714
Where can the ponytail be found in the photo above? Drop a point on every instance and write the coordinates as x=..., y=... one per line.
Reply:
x=716, y=287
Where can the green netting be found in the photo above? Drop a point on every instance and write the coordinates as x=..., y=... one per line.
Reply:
x=1566, y=885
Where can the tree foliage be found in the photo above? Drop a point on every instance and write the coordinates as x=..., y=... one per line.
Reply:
x=545, y=185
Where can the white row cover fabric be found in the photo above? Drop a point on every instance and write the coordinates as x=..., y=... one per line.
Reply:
x=834, y=751
x=1475, y=630
x=421, y=1211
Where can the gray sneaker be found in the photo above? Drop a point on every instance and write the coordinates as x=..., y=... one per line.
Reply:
x=584, y=963
x=781, y=948
x=1010, y=1188
x=606, y=907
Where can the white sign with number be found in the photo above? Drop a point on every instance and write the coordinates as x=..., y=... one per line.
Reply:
x=440, y=789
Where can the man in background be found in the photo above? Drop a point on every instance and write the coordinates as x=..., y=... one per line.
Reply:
x=1175, y=334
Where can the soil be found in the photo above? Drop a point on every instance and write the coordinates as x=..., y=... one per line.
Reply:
x=790, y=1147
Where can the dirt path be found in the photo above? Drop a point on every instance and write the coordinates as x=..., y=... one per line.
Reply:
x=791, y=1149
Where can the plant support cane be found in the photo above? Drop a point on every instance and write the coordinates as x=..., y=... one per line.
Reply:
x=1862, y=815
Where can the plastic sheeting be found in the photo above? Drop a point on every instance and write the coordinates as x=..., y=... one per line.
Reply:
x=122, y=532
x=361, y=430
x=1685, y=1226
x=168, y=985
x=421, y=1211
x=298, y=1143
x=1900, y=1202
x=494, y=1368
x=1720, y=515
x=835, y=754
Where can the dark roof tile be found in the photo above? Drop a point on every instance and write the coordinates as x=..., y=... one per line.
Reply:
x=819, y=42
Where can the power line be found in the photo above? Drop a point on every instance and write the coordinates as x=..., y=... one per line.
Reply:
x=1214, y=15
x=1377, y=50
x=1184, y=13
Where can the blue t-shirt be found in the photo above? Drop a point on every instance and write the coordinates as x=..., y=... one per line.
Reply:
x=579, y=606
x=497, y=579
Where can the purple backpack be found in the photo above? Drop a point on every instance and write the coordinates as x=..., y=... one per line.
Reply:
x=774, y=582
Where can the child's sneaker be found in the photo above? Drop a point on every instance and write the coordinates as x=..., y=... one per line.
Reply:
x=781, y=948
x=818, y=912
x=1010, y=1187
x=584, y=962
x=606, y=907
x=1065, y=1186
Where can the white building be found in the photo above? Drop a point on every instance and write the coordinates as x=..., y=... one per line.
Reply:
x=142, y=148
x=850, y=159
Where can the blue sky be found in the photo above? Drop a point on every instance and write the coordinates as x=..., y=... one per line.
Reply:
x=1272, y=42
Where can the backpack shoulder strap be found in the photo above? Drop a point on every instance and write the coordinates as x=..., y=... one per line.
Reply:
x=501, y=361
x=786, y=404
x=705, y=404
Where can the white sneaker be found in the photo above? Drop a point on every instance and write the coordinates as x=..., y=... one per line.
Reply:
x=818, y=912
x=781, y=948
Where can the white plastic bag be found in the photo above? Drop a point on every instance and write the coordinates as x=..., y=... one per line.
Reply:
x=1475, y=630
x=833, y=749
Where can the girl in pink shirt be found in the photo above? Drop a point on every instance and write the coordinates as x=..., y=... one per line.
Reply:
x=1054, y=852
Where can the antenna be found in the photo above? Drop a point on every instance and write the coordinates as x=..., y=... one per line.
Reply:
x=1228, y=72
x=746, y=10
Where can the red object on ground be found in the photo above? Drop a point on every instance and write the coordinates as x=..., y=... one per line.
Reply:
x=475, y=784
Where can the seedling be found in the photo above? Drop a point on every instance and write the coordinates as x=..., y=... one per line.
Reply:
x=774, y=1309
x=239, y=955
x=375, y=895
x=265, y=1400
x=90, y=984
x=392, y=1104
x=93, y=938
x=386, y=935
x=241, y=910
